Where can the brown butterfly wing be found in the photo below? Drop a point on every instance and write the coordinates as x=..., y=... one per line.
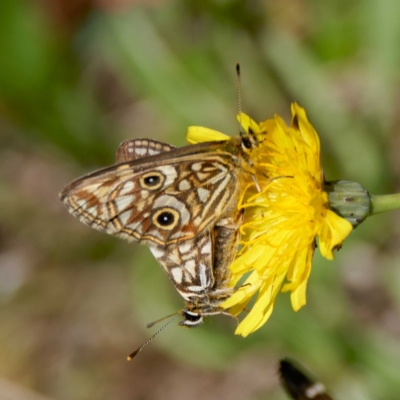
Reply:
x=165, y=198
x=132, y=149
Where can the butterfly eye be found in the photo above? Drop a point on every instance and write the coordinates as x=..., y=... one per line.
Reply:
x=246, y=143
x=192, y=319
x=166, y=218
x=152, y=180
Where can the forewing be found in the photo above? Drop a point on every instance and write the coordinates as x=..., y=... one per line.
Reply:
x=159, y=199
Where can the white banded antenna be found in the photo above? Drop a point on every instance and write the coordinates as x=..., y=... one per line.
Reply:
x=140, y=348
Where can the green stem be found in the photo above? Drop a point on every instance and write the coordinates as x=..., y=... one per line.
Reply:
x=384, y=202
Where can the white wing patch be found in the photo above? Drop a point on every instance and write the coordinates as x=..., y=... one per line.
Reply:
x=185, y=247
x=206, y=249
x=121, y=203
x=169, y=172
x=184, y=185
x=124, y=217
x=190, y=267
x=157, y=251
x=177, y=274
x=128, y=187
x=196, y=166
x=203, y=194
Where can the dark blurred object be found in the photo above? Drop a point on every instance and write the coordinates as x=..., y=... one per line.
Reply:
x=298, y=385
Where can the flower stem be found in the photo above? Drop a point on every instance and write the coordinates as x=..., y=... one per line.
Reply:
x=385, y=202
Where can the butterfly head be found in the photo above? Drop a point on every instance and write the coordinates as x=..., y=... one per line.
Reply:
x=194, y=314
x=249, y=141
x=192, y=318
x=251, y=134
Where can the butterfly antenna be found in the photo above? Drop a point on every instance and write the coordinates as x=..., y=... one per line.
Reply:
x=239, y=88
x=242, y=133
x=140, y=348
x=239, y=99
x=151, y=324
x=239, y=96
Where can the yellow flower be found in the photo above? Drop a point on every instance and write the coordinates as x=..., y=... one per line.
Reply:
x=282, y=220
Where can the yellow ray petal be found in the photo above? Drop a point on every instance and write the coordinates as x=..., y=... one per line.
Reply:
x=199, y=134
x=333, y=232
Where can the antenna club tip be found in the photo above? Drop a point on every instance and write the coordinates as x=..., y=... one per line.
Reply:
x=129, y=358
x=238, y=68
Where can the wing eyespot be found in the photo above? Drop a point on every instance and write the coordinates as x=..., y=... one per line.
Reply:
x=152, y=180
x=166, y=218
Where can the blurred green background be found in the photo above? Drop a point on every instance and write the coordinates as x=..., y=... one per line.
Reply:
x=79, y=77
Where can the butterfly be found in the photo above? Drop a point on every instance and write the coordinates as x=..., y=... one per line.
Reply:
x=182, y=203
x=298, y=385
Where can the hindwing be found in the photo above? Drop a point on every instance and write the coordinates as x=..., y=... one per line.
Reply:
x=199, y=267
x=133, y=149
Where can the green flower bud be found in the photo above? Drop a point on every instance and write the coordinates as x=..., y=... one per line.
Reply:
x=349, y=200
